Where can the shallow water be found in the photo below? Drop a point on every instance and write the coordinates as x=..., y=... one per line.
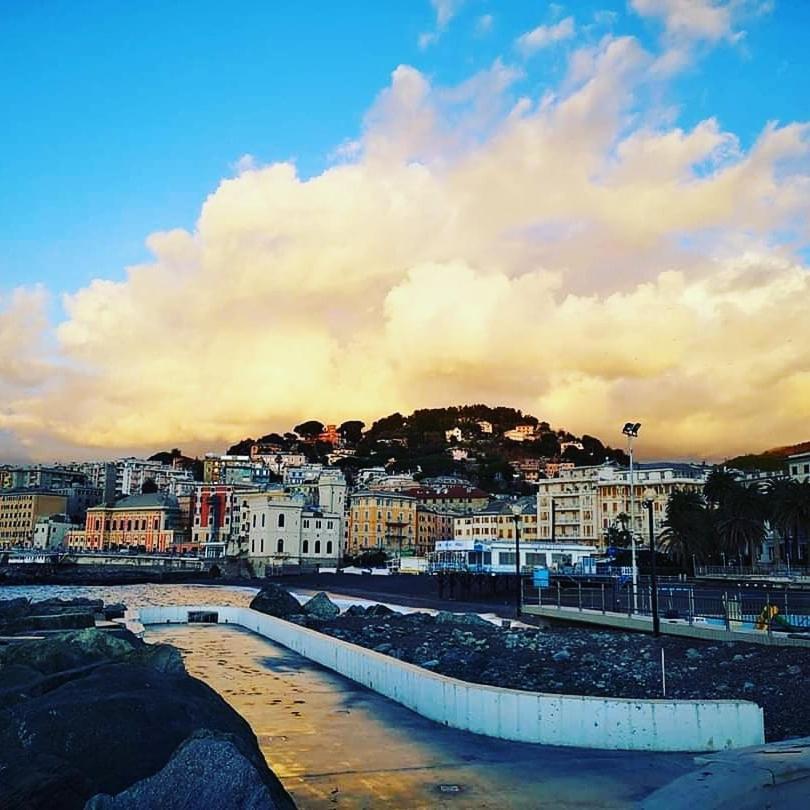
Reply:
x=137, y=596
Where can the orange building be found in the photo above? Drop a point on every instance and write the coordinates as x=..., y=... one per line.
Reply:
x=432, y=525
x=149, y=523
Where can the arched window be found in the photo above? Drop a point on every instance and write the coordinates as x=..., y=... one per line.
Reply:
x=306, y=546
x=328, y=546
x=317, y=546
x=281, y=521
x=262, y=545
x=263, y=516
x=253, y=545
x=280, y=545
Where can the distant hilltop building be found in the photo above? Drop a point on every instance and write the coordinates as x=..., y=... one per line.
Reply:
x=520, y=433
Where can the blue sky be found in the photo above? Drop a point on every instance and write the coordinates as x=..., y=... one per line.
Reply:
x=119, y=118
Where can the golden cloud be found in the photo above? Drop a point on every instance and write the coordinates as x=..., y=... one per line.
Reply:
x=574, y=256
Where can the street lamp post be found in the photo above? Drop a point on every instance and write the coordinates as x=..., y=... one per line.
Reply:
x=518, y=595
x=630, y=430
x=649, y=502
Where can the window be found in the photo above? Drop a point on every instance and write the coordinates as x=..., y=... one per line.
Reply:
x=329, y=547
x=253, y=545
x=306, y=523
x=317, y=546
x=317, y=524
x=506, y=558
x=262, y=545
x=281, y=522
x=156, y=525
x=306, y=547
x=280, y=545
x=535, y=558
x=254, y=521
x=262, y=519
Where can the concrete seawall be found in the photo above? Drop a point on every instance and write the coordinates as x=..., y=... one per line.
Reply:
x=568, y=720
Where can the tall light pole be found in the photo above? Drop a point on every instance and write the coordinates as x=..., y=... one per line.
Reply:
x=630, y=430
x=516, y=512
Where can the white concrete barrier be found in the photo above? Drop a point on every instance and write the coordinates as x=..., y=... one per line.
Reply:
x=510, y=714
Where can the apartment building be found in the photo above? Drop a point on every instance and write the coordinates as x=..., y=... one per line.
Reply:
x=567, y=508
x=382, y=520
x=580, y=504
x=19, y=511
x=496, y=521
x=38, y=477
x=432, y=526
x=657, y=480
x=214, y=518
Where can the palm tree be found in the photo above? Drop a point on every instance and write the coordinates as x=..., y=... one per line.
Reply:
x=720, y=484
x=687, y=535
x=617, y=534
x=790, y=511
x=741, y=520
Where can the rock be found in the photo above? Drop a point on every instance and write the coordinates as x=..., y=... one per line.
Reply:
x=100, y=719
x=434, y=662
x=748, y=686
x=14, y=608
x=355, y=610
x=78, y=605
x=738, y=657
x=66, y=651
x=561, y=656
x=274, y=600
x=55, y=621
x=378, y=610
x=321, y=607
x=794, y=669
x=445, y=617
x=186, y=781
x=383, y=648
x=115, y=611
x=692, y=654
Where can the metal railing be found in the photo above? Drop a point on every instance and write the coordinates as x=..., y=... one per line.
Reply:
x=774, y=610
x=756, y=570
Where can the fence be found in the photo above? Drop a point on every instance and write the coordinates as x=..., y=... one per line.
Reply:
x=772, y=609
x=756, y=570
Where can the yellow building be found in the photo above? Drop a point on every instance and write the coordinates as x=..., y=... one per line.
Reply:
x=382, y=520
x=19, y=511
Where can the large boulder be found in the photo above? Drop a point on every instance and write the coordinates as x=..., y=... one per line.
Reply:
x=66, y=651
x=98, y=714
x=276, y=601
x=374, y=611
x=80, y=604
x=321, y=607
x=186, y=780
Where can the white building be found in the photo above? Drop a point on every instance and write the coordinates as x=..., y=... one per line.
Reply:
x=49, y=532
x=454, y=433
x=279, y=531
x=580, y=504
x=520, y=433
x=799, y=467
x=486, y=427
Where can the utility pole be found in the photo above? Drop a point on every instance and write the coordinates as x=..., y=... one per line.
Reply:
x=650, y=504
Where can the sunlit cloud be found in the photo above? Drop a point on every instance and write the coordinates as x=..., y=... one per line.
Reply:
x=545, y=35
x=574, y=254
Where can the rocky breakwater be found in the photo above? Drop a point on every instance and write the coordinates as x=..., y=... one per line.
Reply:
x=21, y=616
x=573, y=661
x=99, y=720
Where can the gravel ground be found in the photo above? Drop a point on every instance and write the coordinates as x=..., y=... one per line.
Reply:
x=593, y=662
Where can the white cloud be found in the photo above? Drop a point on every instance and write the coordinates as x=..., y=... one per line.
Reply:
x=445, y=11
x=573, y=255
x=545, y=35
